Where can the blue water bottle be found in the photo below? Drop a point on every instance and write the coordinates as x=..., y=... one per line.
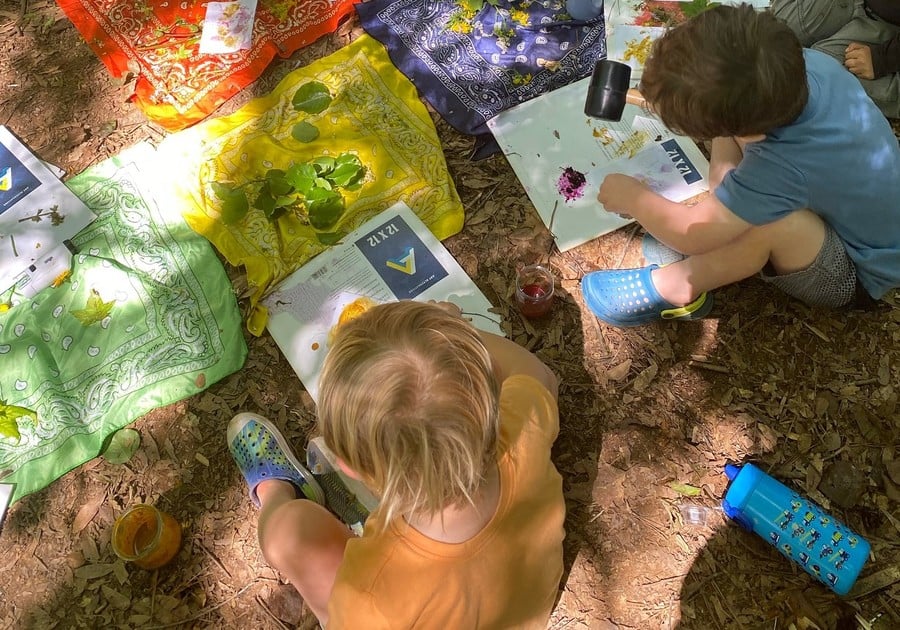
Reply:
x=797, y=527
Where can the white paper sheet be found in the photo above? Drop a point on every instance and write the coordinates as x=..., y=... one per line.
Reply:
x=37, y=211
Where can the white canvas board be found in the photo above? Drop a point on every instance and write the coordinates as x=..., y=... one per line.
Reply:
x=391, y=257
x=550, y=137
x=37, y=211
x=630, y=44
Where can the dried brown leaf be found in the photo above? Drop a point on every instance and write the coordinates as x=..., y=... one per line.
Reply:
x=620, y=371
x=646, y=377
x=87, y=512
x=115, y=598
x=93, y=571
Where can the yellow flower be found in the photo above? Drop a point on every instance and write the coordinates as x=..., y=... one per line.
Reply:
x=58, y=280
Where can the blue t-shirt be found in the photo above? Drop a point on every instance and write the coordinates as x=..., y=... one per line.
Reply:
x=841, y=160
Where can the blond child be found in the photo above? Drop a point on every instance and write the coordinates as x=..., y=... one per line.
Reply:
x=451, y=428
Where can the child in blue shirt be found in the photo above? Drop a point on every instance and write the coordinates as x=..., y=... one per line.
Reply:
x=804, y=174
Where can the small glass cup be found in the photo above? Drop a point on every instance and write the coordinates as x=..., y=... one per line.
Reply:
x=534, y=290
x=146, y=536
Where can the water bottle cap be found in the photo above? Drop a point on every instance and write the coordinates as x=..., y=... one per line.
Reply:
x=731, y=471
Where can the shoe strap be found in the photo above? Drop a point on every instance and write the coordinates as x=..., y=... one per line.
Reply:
x=683, y=311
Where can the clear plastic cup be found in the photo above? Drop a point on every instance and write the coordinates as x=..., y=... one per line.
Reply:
x=146, y=536
x=534, y=290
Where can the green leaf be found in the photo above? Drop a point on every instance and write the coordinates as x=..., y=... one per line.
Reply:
x=8, y=416
x=285, y=201
x=234, y=209
x=122, y=446
x=302, y=177
x=222, y=191
x=330, y=238
x=696, y=7
x=94, y=311
x=346, y=174
x=347, y=158
x=234, y=203
x=278, y=183
x=312, y=98
x=305, y=132
x=324, y=208
x=324, y=164
x=323, y=183
x=685, y=489
x=265, y=201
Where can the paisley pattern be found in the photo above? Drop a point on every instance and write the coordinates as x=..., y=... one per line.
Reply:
x=159, y=42
x=470, y=69
x=375, y=114
x=173, y=319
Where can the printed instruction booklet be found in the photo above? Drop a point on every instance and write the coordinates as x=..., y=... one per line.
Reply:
x=37, y=212
x=391, y=257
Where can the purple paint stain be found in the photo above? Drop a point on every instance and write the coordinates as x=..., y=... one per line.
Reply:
x=571, y=184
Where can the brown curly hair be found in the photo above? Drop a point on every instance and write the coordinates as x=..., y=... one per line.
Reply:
x=729, y=71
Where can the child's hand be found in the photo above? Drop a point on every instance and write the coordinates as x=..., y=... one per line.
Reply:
x=617, y=193
x=858, y=60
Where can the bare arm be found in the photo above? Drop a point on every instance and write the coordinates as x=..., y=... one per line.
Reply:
x=724, y=156
x=695, y=230
x=509, y=359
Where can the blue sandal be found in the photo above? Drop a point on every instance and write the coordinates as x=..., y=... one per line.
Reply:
x=261, y=452
x=655, y=253
x=627, y=297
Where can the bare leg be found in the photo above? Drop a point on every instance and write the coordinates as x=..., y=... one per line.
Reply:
x=789, y=244
x=302, y=540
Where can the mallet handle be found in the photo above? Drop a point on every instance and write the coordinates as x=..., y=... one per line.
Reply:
x=635, y=98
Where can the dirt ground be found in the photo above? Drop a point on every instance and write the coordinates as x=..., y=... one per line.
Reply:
x=811, y=395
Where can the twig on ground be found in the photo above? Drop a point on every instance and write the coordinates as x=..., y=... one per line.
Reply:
x=634, y=229
x=204, y=611
x=552, y=219
x=215, y=559
x=153, y=579
x=712, y=367
x=266, y=610
x=23, y=9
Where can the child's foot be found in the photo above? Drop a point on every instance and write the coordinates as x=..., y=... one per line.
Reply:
x=261, y=453
x=627, y=297
x=655, y=253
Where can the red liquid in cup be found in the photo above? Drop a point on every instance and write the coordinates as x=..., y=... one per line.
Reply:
x=535, y=302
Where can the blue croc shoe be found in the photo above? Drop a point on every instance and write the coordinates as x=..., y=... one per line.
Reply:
x=261, y=452
x=627, y=297
x=656, y=253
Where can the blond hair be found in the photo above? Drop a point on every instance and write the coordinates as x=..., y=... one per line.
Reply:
x=408, y=399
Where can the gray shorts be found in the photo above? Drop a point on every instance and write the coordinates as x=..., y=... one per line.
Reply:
x=829, y=281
